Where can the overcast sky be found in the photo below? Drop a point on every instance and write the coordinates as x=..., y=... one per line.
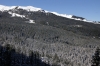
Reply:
x=89, y=9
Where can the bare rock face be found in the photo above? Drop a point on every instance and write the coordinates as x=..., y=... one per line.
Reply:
x=77, y=17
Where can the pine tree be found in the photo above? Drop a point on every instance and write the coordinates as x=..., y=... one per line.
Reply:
x=96, y=58
x=1, y=53
x=31, y=58
x=8, y=55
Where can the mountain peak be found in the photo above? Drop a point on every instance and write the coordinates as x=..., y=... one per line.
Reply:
x=33, y=9
x=28, y=8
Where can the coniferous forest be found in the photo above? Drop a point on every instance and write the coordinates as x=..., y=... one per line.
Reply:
x=51, y=41
x=9, y=57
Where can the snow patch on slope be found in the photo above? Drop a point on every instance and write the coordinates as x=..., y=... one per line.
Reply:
x=22, y=16
x=16, y=15
x=31, y=21
x=62, y=15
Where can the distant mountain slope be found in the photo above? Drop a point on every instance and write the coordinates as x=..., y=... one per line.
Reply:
x=35, y=15
x=47, y=27
x=34, y=9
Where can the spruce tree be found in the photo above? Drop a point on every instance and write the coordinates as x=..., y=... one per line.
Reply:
x=8, y=55
x=31, y=58
x=96, y=58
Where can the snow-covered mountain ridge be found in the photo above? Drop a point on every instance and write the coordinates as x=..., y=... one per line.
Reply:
x=28, y=8
x=31, y=8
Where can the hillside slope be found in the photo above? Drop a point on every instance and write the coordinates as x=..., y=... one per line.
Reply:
x=61, y=40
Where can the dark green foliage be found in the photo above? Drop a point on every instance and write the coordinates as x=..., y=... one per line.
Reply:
x=96, y=58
